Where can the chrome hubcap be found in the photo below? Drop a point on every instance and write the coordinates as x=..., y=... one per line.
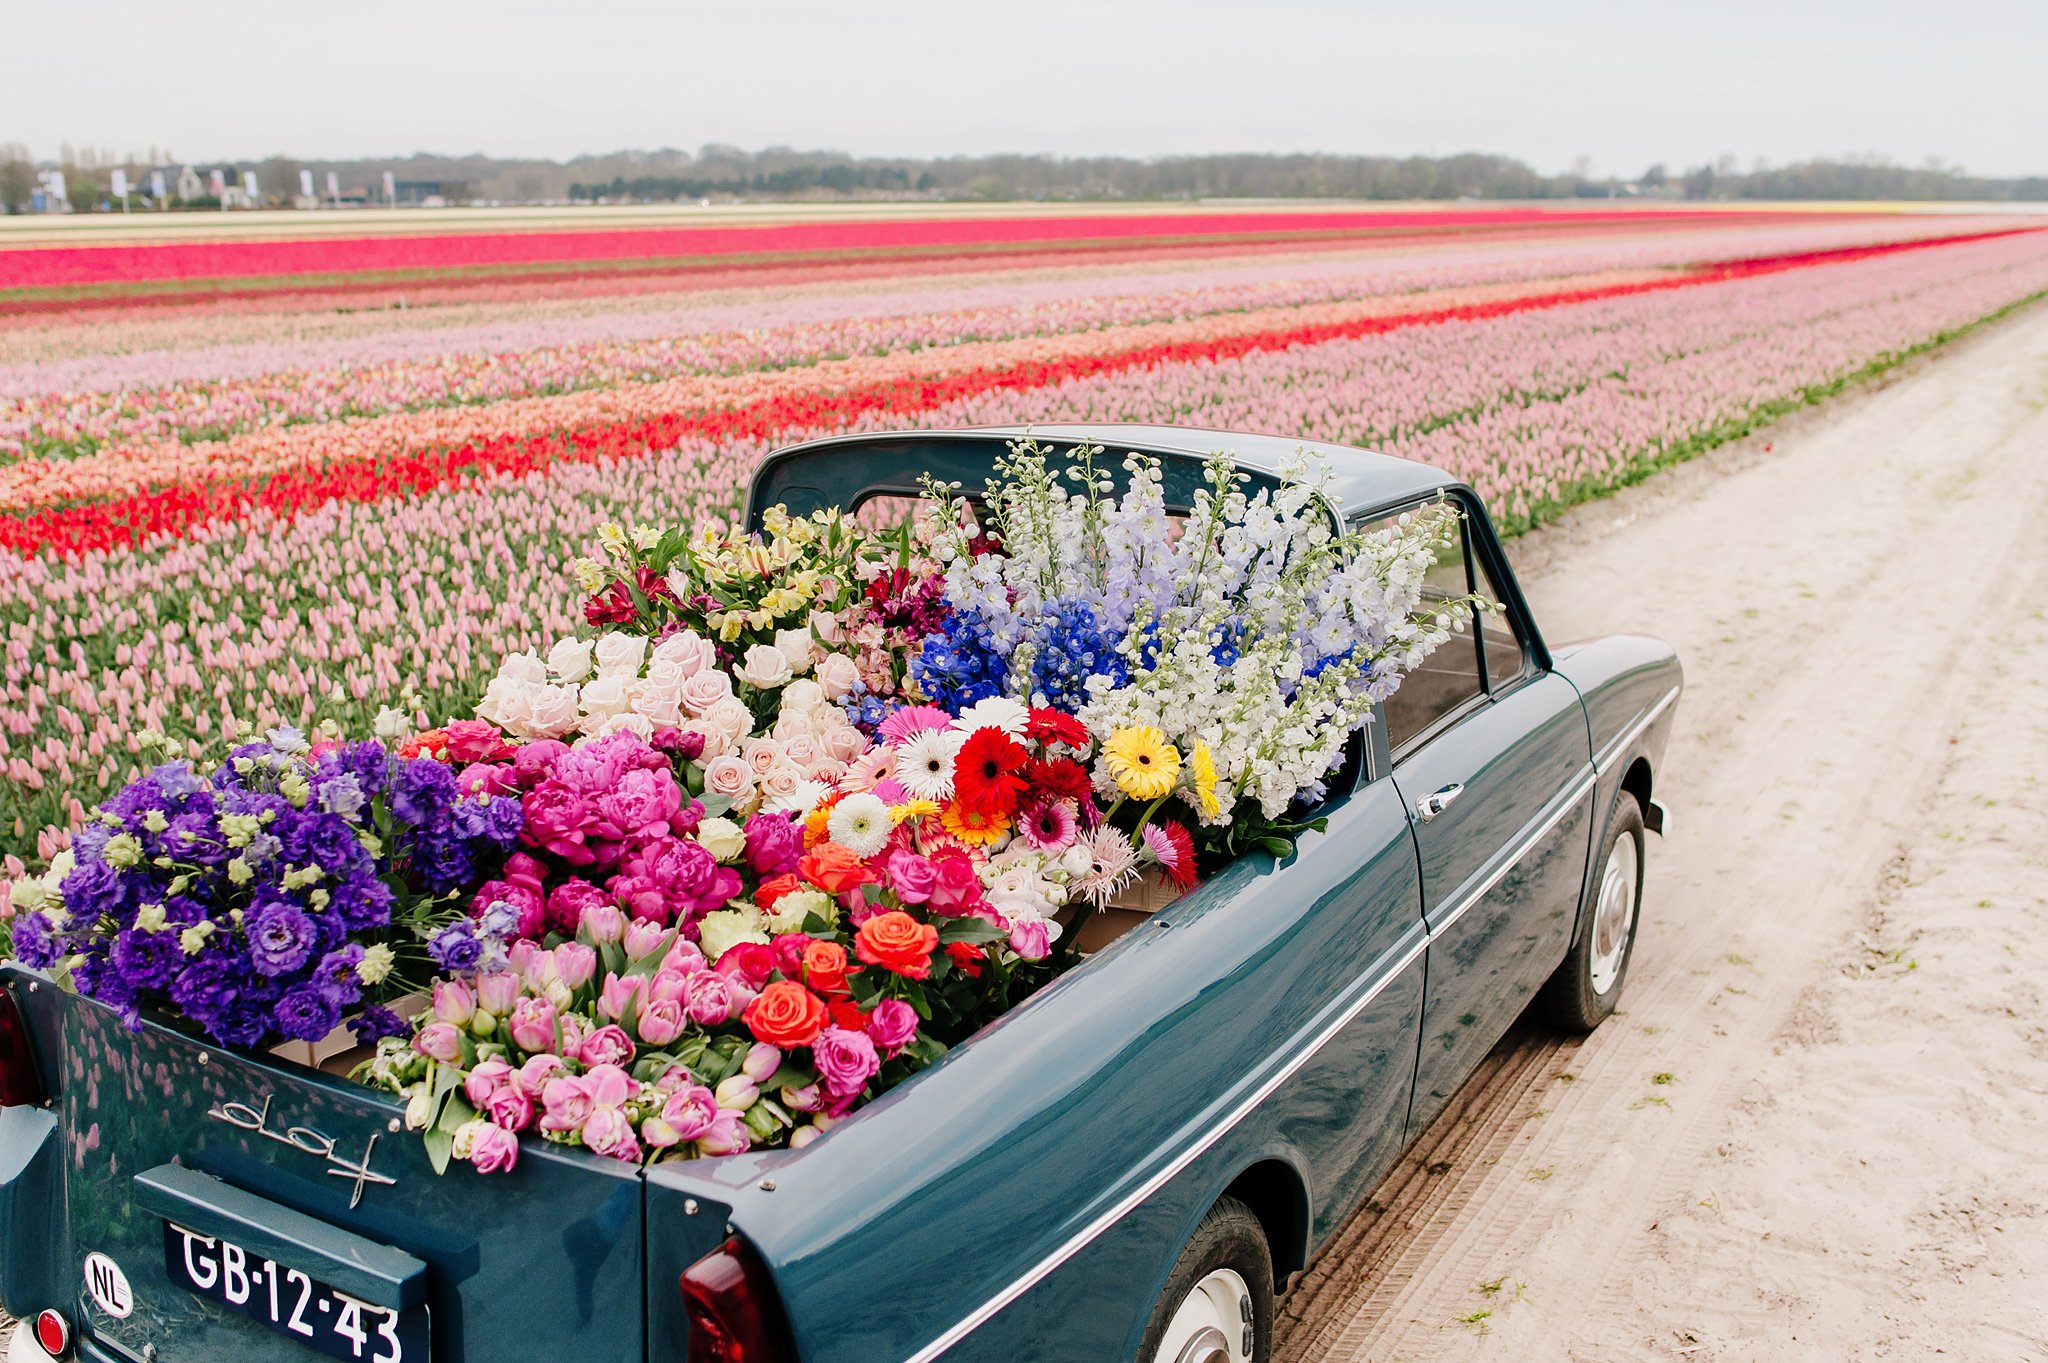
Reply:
x=1212, y=1324
x=1614, y=915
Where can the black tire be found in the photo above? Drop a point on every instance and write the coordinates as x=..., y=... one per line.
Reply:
x=1569, y=999
x=1228, y=1237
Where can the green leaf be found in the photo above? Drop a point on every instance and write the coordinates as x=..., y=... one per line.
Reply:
x=714, y=805
x=1279, y=847
x=913, y=994
x=440, y=1149
x=975, y=930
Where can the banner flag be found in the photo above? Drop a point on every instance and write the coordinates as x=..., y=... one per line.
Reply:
x=249, y=183
x=333, y=185
x=306, y=183
x=156, y=186
x=390, y=188
x=120, y=184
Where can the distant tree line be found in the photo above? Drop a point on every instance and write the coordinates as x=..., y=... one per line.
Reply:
x=724, y=172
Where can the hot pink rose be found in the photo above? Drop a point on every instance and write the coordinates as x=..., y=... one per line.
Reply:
x=1030, y=939
x=606, y=1046
x=957, y=888
x=495, y=1151
x=911, y=876
x=751, y=962
x=892, y=1025
x=845, y=1060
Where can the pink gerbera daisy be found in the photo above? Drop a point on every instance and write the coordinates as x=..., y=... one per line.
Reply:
x=902, y=724
x=1048, y=826
x=871, y=767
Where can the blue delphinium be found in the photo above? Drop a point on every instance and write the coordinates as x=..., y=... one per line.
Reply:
x=1068, y=646
x=961, y=664
x=254, y=900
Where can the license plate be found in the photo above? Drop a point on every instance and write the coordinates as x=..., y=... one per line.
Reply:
x=293, y=1302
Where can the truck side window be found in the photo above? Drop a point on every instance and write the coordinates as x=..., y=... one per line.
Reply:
x=1449, y=678
x=1506, y=658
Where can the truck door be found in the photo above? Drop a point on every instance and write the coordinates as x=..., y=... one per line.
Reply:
x=1493, y=761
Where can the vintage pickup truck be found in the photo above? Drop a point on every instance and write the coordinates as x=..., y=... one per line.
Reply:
x=1129, y=1165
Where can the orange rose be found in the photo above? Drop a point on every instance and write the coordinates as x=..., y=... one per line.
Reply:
x=896, y=941
x=786, y=1014
x=825, y=967
x=774, y=888
x=835, y=870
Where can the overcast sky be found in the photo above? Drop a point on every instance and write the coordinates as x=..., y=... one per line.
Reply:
x=1624, y=84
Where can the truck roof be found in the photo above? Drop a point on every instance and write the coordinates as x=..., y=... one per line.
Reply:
x=1360, y=479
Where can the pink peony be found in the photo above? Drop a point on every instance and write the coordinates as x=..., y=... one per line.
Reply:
x=487, y=778
x=644, y=804
x=569, y=901
x=560, y=821
x=535, y=762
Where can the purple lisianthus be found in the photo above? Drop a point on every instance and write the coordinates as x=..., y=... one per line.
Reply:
x=93, y=889
x=36, y=944
x=361, y=900
x=305, y=1014
x=336, y=976
x=145, y=960
x=457, y=948
x=375, y=1023
x=281, y=937
x=424, y=793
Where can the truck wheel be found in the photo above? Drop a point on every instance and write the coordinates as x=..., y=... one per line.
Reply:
x=1583, y=992
x=1218, y=1302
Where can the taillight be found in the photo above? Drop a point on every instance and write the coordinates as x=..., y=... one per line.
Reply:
x=732, y=1308
x=53, y=1332
x=19, y=1082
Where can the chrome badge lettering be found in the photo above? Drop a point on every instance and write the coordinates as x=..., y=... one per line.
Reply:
x=306, y=1140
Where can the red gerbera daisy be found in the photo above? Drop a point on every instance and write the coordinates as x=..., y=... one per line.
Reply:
x=1174, y=848
x=1054, y=726
x=1061, y=778
x=988, y=773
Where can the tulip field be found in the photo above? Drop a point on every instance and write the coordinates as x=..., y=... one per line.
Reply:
x=263, y=479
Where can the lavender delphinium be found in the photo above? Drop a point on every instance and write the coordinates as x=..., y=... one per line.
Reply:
x=269, y=897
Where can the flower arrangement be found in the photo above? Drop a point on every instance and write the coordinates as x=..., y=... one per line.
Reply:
x=292, y=884
x=809, y=808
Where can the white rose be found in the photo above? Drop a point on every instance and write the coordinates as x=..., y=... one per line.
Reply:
x=551, y=711
x=765, y=668
x=837, y=674
x=803, y=750
x=569, y=660
x=762, y=755
x=658, y=706
x=806, y=697
x=828, y=772
x=665, y=675
x=690, y=652
x=637, y=724
x=780, y=781
x=797, y=646
x=620, y=655
x=604, y=696
x=523, y=667
x=716, y=743
x=703, y=691
x=722, y=838
x=728, y=776
x=732, y=716
x=789, y=723
x=844, y=743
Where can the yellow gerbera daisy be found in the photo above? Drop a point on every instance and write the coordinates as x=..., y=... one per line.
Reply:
x=913, y=809
x=1202, y=766
x=1143, y=763
x=976, y=830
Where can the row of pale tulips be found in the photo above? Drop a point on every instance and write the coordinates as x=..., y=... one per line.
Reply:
x=338, y=610
x=63, y=407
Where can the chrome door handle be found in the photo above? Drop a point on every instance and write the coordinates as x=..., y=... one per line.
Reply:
x=1429, y=806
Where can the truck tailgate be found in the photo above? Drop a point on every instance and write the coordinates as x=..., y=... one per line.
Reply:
x=165, y=1175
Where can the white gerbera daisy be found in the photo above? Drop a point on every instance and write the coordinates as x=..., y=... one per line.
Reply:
x=860, y=823
x=924, y=764
x=997, y=712
x=1112, y=864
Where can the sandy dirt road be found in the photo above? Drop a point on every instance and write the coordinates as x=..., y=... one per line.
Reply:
x=1819, y=1127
